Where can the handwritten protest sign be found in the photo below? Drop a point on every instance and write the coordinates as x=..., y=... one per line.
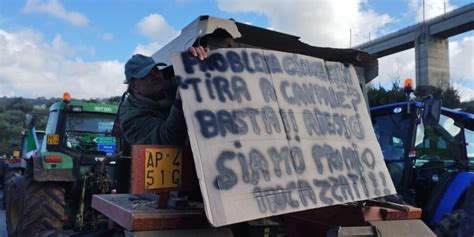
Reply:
x=275, y=132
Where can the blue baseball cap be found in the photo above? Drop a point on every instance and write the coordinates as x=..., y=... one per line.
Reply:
x=138, y=67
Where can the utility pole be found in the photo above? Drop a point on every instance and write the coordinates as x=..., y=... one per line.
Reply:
x=444, y=7
x=350, y=37
x=423, y=10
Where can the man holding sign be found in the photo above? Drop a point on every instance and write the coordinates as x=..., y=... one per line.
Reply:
x=271, y=132
x=151, y=112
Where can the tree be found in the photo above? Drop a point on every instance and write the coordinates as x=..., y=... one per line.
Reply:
x=20, y=104
x=380, y=96
x=423, y=91
x=450, y=97
x=468, y=106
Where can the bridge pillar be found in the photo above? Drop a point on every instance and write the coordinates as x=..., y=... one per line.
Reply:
x=432, y=60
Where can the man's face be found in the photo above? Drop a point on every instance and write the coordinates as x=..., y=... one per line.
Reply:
x=153, y=86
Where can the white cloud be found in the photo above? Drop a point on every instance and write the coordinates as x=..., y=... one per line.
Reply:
x=466, y=93
x=65, y=49
x=432, y=8
x=31, y=67
x=55, y=9
x=108, y=37
x=397, y=66
x=324, y=22
x=156, y=28
x=62, y=47
x=461, y=59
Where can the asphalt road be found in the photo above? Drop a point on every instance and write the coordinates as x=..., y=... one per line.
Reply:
x=3, y=225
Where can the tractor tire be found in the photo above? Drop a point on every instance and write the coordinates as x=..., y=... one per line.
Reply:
x=8, y=181
x=14, y=206
x=2, y=170
x=43, y=206
x=449, y=225
x=11, y=173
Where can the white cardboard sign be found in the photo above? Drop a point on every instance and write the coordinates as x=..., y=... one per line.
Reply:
x=275, y=132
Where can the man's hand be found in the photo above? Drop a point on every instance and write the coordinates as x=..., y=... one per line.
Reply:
x=178, y=95
x=199, y=52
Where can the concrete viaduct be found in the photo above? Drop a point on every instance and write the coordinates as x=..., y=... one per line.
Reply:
x=431, y=44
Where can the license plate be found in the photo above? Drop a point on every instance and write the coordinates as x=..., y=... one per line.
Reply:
x=53, y=139
x=163, y=168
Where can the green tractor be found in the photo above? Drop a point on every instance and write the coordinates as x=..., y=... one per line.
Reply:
x=78, y=158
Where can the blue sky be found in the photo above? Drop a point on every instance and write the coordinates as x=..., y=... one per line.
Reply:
x=81, y=46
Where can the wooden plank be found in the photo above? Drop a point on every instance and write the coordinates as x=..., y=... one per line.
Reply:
x=392, y=214
x=134, y=212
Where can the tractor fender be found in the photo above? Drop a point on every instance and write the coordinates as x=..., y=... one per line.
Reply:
x=14, y=166
x=41, y=174
x=453, y=193
x=466, y=227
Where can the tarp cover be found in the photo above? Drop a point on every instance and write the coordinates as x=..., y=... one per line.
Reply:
x=275, y=132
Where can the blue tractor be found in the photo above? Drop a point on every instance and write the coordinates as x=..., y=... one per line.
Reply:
x=429, y=152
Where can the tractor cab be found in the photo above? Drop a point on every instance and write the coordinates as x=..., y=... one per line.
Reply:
x=81, y=129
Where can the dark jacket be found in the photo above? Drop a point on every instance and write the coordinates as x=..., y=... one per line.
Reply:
x=144, y=122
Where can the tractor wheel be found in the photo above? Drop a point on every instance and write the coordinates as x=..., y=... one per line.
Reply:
x=8, y=181
x=43, y=206
x=2, y=170
x=448, y=226
x=13, y=206
x=10, y=174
